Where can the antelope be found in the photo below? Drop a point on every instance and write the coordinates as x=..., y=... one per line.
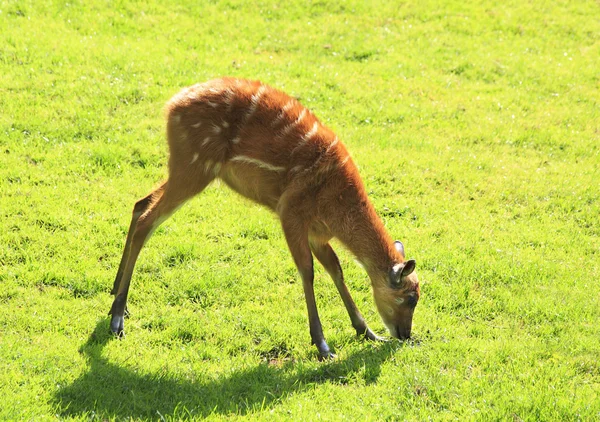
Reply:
x=269, y=148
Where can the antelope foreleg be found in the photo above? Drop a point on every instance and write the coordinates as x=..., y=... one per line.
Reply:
x=328, y=258
x=297, y=240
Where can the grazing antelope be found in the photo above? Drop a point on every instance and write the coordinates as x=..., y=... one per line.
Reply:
x=267, y=147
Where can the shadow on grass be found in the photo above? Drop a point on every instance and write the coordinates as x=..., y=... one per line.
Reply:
x=107, y=390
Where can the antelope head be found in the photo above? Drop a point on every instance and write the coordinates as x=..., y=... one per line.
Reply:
x=397, y=297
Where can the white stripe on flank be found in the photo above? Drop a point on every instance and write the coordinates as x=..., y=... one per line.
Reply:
x=345, y=160
x=254, y=101
x=206, y=140
x=259, y=93
x=197, y=125
x=216, y=129
x=196, y=155
x=212, y=104
x=235, y=140
x=301, y=116
x=289, y=127
x=225, y=125
x=334, y=143
x=283, y=111
x=312, y=132
x=259, y=163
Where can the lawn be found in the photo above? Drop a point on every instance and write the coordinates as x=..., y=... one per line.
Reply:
x=476, y=129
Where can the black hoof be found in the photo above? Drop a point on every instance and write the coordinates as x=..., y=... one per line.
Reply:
x=326, y=356
x=117, y=326
x=324, y=351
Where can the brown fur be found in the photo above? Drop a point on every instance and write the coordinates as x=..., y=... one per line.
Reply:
x=266, y=146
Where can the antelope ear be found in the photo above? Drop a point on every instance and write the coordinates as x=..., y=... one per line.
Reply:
x=409, y=267
x=400, y=271
x=399, y=247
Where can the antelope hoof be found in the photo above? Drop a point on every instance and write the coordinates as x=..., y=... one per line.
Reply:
x=117, y=325
x=326, y=356
x=367, y=334
x=324, y=351
x=370, y=335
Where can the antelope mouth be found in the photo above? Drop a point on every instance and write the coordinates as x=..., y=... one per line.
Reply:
x=399, y=332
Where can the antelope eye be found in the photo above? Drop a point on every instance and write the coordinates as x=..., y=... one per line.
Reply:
x=411, y=300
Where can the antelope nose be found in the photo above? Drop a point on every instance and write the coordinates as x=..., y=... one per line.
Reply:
x=403, y=333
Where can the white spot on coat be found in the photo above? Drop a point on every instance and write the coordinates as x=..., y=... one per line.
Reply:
x=228, y=98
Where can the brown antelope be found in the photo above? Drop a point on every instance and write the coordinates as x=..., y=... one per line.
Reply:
x=267, y=147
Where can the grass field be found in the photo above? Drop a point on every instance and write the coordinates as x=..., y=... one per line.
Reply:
x=476, y=127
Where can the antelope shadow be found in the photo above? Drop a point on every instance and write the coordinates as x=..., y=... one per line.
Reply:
x=107, y=390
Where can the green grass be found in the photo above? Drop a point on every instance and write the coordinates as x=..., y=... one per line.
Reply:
x=476, y=126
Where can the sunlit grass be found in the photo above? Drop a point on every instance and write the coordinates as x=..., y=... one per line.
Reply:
x=476, y=129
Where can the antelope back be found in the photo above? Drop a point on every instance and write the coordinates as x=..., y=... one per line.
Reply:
x=256, y=138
